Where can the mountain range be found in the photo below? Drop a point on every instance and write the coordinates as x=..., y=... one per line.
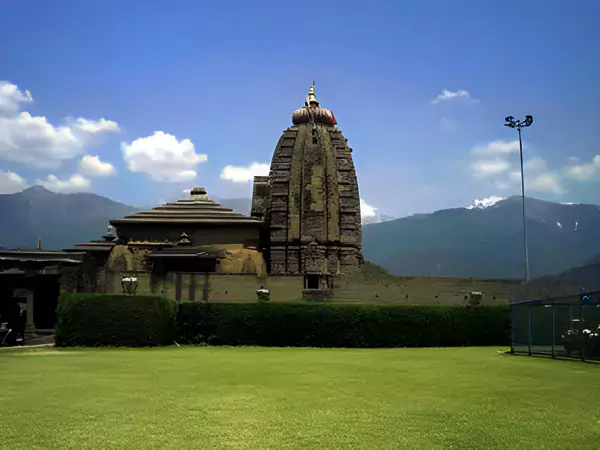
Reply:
x=60, y=220
x=485, y=240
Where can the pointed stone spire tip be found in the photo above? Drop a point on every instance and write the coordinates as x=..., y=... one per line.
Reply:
x=311, y=98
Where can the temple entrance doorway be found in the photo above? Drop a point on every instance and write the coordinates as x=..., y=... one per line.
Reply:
x=37, y=294
x=311, y=281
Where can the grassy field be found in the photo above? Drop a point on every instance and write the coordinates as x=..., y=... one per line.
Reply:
x=213, y=397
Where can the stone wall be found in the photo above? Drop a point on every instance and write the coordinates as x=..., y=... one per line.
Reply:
x=420, y=290
x=284, y=288
x=217, y=287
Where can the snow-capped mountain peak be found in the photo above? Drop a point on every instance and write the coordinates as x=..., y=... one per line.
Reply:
x=485, y=202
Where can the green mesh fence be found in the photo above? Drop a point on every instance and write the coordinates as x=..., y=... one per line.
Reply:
x=567, y=327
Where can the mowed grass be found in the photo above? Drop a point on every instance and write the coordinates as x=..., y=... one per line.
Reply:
x=211, y=397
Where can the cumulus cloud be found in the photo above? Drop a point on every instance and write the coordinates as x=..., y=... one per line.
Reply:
x=163, y=157
x=448, y=95
x=492, y=162
x=497, y=148
x=448, y=124
x=11, y=98
x=33, y=140
x=486, y=168
x=10, y=182
x=241, y=174
x=92, y=166
x=75, y=183
x=367, y=210
x=586, y=171
x=95, y=126
x=545, y=182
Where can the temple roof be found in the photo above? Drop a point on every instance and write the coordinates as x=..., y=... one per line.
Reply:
x=92, y=246
x=312, y=112
x=197, y=209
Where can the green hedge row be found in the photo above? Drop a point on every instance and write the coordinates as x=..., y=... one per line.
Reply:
x=123, y=320
x=342, y=325
x=98, y=320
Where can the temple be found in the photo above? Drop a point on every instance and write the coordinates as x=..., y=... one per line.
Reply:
x=304, y=230
x=310, y=200
x=301, y=241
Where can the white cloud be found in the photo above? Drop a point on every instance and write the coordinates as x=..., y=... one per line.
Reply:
x=505, y=173
x=536, y=165
x=585, y=172
x=573, y=159
x=537, y=177
x=75, y=183
x=33, y=140
x=448, y=124
x=92, y=166
x=497, y=148
x=486, y=168
x=163, y=157
x=367, y=210
x=447, y=95
x=485, y=202
x=96, y=126
x=544, y=182
x=10, y=182
x=11, y=98
x=241, y=174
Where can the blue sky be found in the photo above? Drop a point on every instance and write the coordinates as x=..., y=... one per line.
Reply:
x=222, y=79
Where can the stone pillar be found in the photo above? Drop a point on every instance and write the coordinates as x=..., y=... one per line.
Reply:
x=27, y=294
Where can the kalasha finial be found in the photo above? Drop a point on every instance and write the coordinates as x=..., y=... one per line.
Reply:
x=311, y=98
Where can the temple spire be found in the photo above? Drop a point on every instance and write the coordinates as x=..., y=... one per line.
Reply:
x=311, y=98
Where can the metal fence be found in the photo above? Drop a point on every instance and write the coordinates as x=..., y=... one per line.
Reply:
x=567, y=327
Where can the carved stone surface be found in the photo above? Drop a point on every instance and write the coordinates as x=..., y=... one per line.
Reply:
x=313, y=204
x=260, y=197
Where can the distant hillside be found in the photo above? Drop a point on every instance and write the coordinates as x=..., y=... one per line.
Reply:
x=486, y=242
x=61, y=220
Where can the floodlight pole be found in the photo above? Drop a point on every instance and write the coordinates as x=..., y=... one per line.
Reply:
x=518, y=124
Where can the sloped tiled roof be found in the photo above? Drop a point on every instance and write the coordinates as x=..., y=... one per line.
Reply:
x=197, y=209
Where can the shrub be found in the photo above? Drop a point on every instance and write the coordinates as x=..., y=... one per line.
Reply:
x=98, y=320
x=342, y=325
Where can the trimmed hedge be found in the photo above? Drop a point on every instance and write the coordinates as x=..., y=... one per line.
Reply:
x=133, y=320
x=342, y=325
x=98, y=320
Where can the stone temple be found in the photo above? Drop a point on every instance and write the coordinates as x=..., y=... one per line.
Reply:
x=301, y=240
x=310, y=200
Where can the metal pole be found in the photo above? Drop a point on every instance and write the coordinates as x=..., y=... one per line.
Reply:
x=512, y=329
x=523, y=207
x=581, y=327
x=529, y=329
x=553, y=330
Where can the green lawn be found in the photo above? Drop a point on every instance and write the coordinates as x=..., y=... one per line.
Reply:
x=210, y=397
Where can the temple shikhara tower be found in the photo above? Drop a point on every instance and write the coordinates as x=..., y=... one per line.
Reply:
x=310, y=200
